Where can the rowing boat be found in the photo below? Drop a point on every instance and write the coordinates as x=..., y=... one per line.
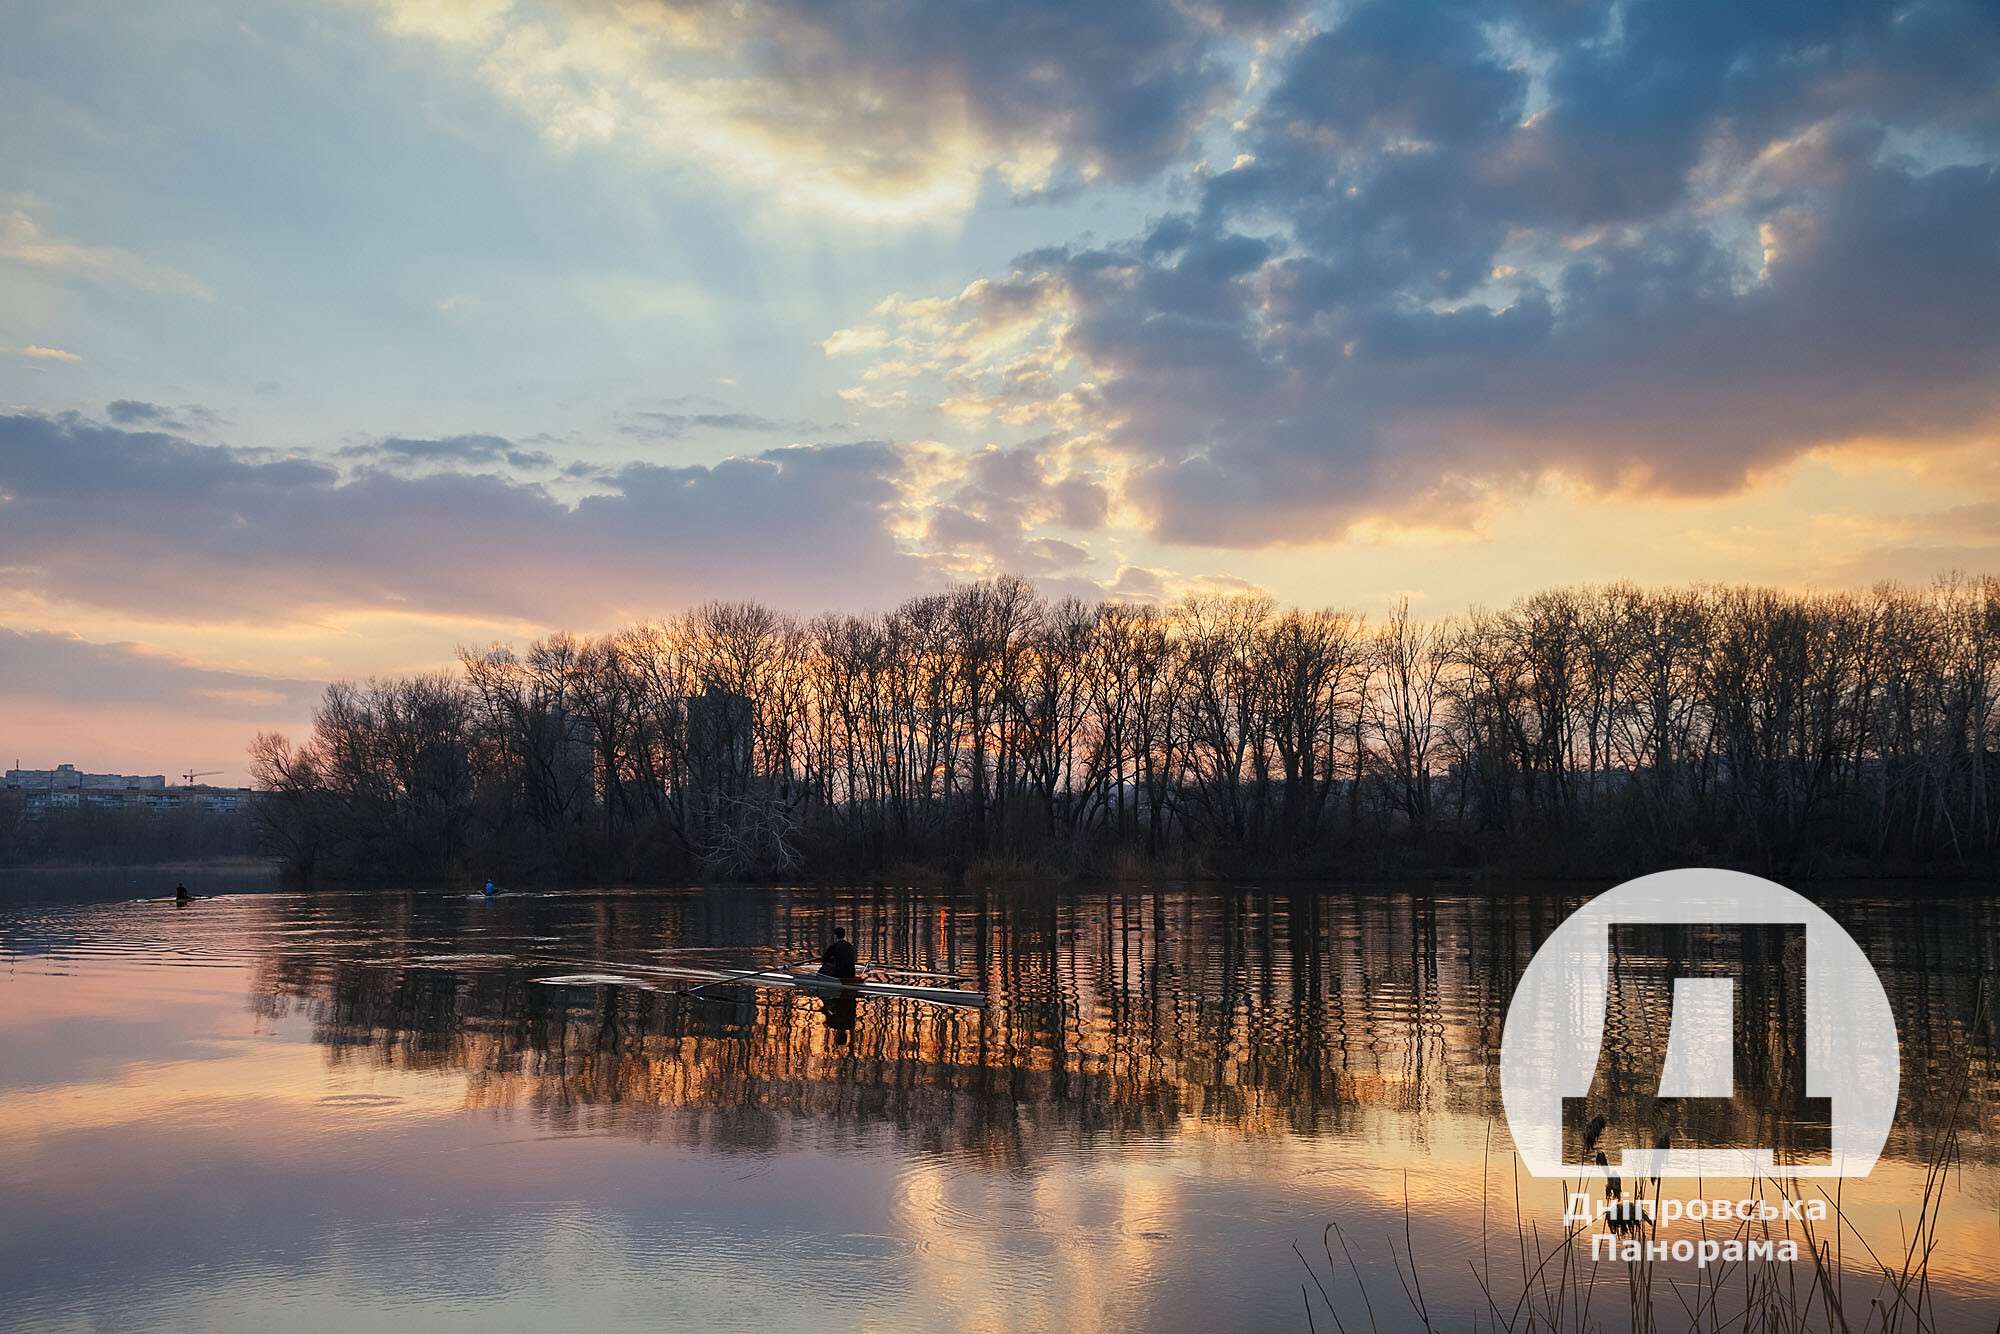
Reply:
x=832, y=985
x=817, y=982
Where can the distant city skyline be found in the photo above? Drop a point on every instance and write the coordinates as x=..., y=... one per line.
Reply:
x=336, y=336
x=66, y=787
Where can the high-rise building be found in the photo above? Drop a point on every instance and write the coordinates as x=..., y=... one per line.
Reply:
x=68, y=778
x=66, y=787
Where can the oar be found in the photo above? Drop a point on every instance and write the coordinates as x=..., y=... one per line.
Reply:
x=745, y=975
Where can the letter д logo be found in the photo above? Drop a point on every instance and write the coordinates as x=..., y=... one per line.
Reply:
x=1699, y=1023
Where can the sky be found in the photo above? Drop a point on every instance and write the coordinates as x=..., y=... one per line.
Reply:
x=337, y=335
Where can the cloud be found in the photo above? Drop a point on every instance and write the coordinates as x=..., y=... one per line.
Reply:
x=23, y=240
x=1463, y=248
x=674, y=425
x=984, y=512
x=897, y=109
x=49, y=666
x=848, y=342
x=191, y=417
x=1914, y=548
x=450, y=451
x=152, y=525
x=1145, y=584
x=36, y=352
x=126, y=411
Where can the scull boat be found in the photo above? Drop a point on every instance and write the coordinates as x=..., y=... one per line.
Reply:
x=942, y=995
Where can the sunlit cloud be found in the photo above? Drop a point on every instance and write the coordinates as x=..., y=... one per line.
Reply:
x=892, y=113
x=36, y=352
x=44, y=665
x=1411, y=301
x=25, y=240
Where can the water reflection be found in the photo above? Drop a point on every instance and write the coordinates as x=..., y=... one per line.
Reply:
x=1129, y=1012
x=1165, y=1088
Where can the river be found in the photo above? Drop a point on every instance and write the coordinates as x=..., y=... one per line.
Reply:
x=385, y=1109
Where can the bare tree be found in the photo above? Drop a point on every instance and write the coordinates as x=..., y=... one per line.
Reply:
x=1617, y=722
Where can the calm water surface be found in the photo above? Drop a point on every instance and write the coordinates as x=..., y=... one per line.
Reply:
x=374, y=1110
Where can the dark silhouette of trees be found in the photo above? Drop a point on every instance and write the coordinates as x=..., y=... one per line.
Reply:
x=91, y=835
x=1580, y=729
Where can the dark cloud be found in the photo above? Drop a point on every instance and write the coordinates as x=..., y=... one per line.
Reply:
x=451, y=451
x=1661, y=246
x=1119, y=86
x=899, y=101
x=71, y=461
x=45, y=665
x=1651, y=361
x=1396, y=75
x=1057, y=554
x=189, y=417
x=126, y=411
x=153, y=525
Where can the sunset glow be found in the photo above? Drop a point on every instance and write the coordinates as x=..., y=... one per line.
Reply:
x=335, y=337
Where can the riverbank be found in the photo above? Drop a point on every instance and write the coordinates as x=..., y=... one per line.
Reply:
x=1829, y=877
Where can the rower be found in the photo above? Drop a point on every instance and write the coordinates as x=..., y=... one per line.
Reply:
x=181, y=895
x=838, y=961
x=491, y=889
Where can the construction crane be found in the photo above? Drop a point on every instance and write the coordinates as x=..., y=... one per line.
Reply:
x=193, y=774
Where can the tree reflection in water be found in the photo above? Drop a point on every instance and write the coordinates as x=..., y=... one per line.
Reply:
x=1112, y=1012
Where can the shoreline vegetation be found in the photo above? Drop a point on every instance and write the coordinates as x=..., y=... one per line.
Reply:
x=93, y=838
x=987, y=732
x=218, y=863
x=1839, y=1276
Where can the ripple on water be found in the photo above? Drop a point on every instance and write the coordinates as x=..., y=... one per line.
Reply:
x=361, y=1101
x=596, y=980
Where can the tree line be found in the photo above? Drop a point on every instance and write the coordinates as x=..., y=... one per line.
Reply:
x=1587, y=729
x=96, y=836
